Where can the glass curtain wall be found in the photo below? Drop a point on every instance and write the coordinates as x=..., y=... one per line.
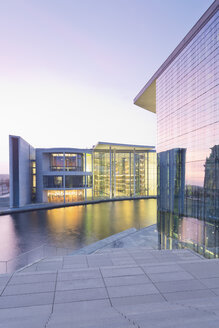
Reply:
x=124, y=174
x=187, y=99
x=101, y=174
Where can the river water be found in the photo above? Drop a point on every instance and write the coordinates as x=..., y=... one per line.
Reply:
x=72, y=227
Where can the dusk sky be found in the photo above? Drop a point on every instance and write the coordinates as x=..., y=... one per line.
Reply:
x=69, y=69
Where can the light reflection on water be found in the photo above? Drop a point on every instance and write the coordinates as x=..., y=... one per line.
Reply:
x=72, y=227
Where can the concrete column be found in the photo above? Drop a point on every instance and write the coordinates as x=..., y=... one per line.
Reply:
x=85, y=169
x=134, y=170
x=147, y=174
x=63, y=176
x=110, y=173
x=130, y=172
x=114, y=169
x=92, y=175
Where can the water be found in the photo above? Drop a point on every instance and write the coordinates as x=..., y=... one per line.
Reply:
x=78, y=226
x=72, y=227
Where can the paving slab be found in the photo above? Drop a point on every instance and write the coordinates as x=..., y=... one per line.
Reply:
x=32, y=277
x=126, y=280
x=39, y=287
x=188, y=294
x=170, y=276
x=80, y=295
x=121, y=271
x=203, y=269
x=69, y=274
x=132, y=290
x=34, y=316
x=139, y=299
x=26, y=300
x=162, y=268
x=211, y=282
x=82, y=306
x=135, y=287
x=179, y=286
x=174, y=317
x=79, y=284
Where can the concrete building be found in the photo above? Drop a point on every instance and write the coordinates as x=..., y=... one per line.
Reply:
x=184, y=94
x=67, y=175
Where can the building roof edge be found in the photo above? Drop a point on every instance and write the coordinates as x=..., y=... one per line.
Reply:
x=185, y=41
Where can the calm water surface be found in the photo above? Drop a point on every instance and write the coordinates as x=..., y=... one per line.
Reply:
x=72, y=227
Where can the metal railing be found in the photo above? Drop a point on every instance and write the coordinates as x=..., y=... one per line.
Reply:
x=32, y=256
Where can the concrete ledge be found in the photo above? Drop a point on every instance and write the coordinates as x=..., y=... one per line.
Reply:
x=42, y=206
x=104, y=242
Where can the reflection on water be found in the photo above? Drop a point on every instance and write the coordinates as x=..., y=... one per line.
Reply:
x=177, y=231
x=72, y=227
x=77, y=226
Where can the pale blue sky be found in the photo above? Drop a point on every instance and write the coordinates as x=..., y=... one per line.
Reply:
x=69, y=70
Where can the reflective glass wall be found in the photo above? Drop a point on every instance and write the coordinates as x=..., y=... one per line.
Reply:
x=187, y=97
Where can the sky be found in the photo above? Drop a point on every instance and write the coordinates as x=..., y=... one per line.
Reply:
x=70, y=69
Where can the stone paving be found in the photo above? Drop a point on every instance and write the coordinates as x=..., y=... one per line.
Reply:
x=114, y=288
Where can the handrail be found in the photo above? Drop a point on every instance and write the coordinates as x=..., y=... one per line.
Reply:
x=32, y=256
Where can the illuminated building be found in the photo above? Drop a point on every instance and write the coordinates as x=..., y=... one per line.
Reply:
x=184, y=93
x=67, y=175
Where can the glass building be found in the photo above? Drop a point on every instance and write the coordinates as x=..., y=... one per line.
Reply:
x=67, y=175
x=124, y=171
x=184, y=93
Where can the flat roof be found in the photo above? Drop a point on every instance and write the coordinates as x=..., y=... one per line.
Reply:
x=146, y=98
x=119, y=146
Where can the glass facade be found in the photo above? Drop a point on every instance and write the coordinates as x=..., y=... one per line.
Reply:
x=119, y=173
x=65, y=196
x=178, y=231
x=66, y=162
x=97, y=173
x=187, y=104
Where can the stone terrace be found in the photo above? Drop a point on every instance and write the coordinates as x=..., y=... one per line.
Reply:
x=113, y=288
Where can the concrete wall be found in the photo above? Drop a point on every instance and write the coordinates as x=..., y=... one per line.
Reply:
x=20, y=171
x=39, y=176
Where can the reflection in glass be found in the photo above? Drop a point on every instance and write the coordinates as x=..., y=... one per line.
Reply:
x=187, y=105
x=51, y=181
x=178, y=231
x=73, y=162
x=57, y=162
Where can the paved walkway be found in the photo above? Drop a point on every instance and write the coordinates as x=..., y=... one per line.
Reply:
x=114, y=288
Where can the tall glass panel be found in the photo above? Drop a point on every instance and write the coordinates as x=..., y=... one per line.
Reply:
x=187, y=104
x=101, y=174
x=88, y=163
x=123, y=178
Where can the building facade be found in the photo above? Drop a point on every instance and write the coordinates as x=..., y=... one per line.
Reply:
x=67, y=175
x=184, y=93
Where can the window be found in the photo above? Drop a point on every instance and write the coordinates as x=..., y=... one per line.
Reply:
x=52, y=181
x=74, y=181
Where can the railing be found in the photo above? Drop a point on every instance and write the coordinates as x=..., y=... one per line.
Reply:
x=66, y=168
x=32, y=256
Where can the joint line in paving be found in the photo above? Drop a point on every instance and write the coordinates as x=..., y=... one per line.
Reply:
x=6, y=285
x=50, y=315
